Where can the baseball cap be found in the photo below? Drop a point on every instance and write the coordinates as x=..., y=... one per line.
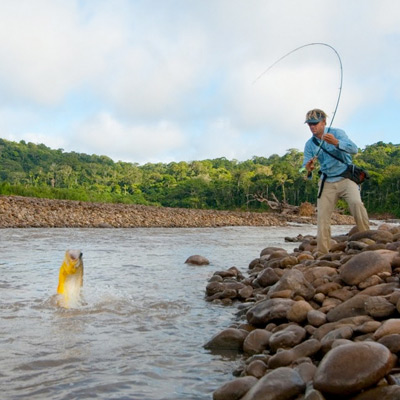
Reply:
x=314, y=116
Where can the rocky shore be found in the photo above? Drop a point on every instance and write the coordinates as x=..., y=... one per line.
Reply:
x=24, y=212
x=315, y=328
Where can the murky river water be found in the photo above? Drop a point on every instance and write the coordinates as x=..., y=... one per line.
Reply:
x=141, y=331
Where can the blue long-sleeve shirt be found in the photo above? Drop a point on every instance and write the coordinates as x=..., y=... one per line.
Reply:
x=329, y=165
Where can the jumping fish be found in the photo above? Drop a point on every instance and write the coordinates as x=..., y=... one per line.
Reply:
x=70, y=279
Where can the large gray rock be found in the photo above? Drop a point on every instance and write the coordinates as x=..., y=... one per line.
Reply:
x=268, y=310
x=267, y=277
x=235, y=389
x=380, y=393
x=256, y=341
x=364, y=265
x=294, y=281
x=197, y=260
x=287, y=357
x=369, y=361
x=228, y=339
x=379, y=236
x=389, y=327
x=286, y=338
x=350, y=308
x=280, y=384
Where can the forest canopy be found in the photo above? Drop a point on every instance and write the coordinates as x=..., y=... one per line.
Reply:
x=28, y=169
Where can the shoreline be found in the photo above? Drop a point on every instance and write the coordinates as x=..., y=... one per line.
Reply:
x=32, y=212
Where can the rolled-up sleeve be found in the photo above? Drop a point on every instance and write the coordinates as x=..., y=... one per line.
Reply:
x=345, y=144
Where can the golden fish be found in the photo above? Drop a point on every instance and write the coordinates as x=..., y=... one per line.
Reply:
x=71, y=278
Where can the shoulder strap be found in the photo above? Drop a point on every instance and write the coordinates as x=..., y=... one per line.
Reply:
x=315, y=141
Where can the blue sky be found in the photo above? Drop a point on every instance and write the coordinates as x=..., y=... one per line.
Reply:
x=172, y=80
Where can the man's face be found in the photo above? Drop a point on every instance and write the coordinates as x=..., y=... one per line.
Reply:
x=318, y=128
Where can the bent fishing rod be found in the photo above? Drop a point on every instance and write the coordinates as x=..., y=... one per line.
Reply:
x=340, y=87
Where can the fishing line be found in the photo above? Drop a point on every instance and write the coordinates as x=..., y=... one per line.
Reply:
x=341, y=78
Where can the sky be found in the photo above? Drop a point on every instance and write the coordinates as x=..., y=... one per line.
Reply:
x=182, y=80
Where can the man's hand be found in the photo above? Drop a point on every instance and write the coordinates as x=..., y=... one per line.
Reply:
x=310, y=165
x=329, y=138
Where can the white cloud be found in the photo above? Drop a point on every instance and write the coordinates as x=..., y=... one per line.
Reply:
x=181, y=73
x=48, y=49
x=103, y=134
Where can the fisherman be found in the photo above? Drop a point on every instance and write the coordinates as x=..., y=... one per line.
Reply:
x=330, y=146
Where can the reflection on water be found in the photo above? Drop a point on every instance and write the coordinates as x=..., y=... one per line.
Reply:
x=140, y=330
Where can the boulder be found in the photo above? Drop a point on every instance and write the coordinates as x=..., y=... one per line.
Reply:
x=197, y=260
x=236, y=389
x=286, y=338
x=228, y=339
x=369, y=361
x=350, y=308
x=268, y=310
x=282, y=383
x=256, y=341
x=294, y=281
x=363, y=265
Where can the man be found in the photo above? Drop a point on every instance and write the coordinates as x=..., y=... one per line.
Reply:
x=334, y=143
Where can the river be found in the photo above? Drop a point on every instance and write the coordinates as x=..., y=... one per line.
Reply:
x=141, y=330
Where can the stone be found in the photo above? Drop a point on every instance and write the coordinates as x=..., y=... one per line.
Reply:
x=306, y=370
x=197, y=260
x=236, y=389
x=245, y=292
x=392, y=342
x=350, y=308
x=381, y=290
x=268, y=310
x=256, y=341
x=214, y=287
x=267, y=277
x=316, y=318
x=287, y=338
x=379, y=236
x=295, y=281
x=256, y=368
x=228, y=339
x=287, y=357
x=342, y=332
x=299, y=311
x=379, y=307
x=389, y=327
x=380, y=393
x=367, y=327
x=328, y=287
x=279, y=384
x=363, y=265
x=318, y=272
x=353, y=322
x=312, y=394
x=369, y=362
x=270, y=250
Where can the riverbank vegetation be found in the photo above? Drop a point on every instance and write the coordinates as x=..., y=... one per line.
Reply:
x=33, y=170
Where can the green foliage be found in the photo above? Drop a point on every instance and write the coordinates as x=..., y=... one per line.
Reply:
x=27, y=169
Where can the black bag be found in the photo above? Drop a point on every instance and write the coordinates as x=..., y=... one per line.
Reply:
x=356, y=174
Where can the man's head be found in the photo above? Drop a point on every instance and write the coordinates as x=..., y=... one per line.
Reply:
x=316, y=120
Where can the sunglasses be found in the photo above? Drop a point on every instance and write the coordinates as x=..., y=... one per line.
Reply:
x=312, y=123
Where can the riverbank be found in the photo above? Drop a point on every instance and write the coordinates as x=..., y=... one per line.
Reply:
x=302, y=320
x=27, y=212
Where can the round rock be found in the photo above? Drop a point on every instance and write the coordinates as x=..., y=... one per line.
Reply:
x=369, y=361
x=197, y=260
x=235, y=389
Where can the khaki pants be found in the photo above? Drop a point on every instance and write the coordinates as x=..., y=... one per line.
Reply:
x=332, y=191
